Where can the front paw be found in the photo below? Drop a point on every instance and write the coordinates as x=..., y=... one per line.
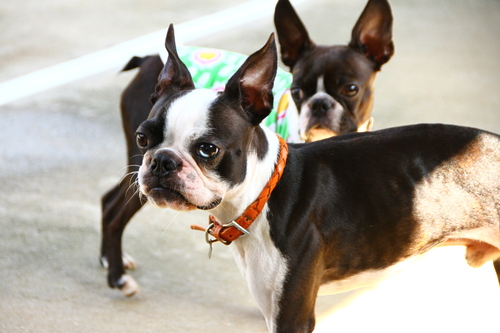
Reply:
x=128, y=286
x=128, y=261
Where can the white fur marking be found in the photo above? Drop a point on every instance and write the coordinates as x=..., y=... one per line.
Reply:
x=129, y=286
x=305, y=115
x=320, y=86
x=187, y=118
x=263, y=266
x=256, y=255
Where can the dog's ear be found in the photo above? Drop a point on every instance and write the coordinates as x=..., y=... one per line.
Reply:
x=252, y=84
x=174, y=76
x=372, y=34
x=292, y=34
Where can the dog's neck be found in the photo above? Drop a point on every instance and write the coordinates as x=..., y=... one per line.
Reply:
x=259, y=172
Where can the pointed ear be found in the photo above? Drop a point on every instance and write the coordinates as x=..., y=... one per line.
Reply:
x=174, y=76
x=372, y=34
x=252, y=84
x=292, y=34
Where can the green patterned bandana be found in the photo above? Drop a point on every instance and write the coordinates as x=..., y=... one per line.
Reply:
x=211, y=69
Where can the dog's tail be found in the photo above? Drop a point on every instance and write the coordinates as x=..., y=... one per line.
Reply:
x=134, y=62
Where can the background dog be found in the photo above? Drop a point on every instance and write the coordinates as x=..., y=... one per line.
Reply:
x=333, y=85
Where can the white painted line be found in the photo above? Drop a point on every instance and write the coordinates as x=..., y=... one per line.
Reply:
x=117, y=56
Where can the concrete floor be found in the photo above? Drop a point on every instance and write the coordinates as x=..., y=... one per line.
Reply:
x=60, y=150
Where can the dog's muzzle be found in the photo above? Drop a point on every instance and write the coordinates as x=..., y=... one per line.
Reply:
x=164, y=163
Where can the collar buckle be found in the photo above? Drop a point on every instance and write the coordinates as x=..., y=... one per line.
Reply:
x=233, y=223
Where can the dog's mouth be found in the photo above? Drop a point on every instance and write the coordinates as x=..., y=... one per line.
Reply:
x=211, y=205
x=317, y=133
x=165, y=196
x=166, y=193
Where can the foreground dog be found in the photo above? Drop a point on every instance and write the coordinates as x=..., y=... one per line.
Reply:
x=332, y=87
x=327, y=216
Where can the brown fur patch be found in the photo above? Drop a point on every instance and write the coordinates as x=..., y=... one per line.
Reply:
x=459, y=201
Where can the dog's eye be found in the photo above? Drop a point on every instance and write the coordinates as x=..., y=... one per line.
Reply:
x=142, y=140
x=350, y=90
x=297, y=94
x=208, y=150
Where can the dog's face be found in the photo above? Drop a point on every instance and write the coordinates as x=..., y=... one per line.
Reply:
x=332, y=89
x=333, y=85
x=181, y=161
x=196, y=142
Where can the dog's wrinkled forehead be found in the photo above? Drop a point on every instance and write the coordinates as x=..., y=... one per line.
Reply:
x=187, y=118
x=334, y=61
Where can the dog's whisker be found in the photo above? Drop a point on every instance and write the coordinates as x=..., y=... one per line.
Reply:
x=133, y=185
x=229, y=211
x=128, y=175
x=133, y=179
x=129, y=166
x=136, y=155
x=169, y=224
x=136, y=192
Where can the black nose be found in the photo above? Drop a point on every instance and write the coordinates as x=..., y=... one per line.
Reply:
x=319, y=107
x=164, y=163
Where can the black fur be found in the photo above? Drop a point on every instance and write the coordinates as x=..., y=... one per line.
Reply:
x=345, y=206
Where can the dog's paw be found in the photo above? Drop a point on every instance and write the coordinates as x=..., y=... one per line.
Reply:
x=128, y=261
x=128, y=286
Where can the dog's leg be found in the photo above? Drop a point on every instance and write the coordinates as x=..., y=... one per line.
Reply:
x=294, y=308
x=116, y=215
x=121, y=202
x=112, y=199
x=298, y=299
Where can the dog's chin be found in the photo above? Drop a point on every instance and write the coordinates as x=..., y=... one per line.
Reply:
x=167, y=198
x=318, y=133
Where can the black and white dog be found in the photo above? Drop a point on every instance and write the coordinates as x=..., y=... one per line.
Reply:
x=338, y=214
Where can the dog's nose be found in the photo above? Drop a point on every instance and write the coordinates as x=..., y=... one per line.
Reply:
x=163, y=163
x=320, y=107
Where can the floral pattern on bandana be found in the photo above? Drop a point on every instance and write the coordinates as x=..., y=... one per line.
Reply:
x=212, y=68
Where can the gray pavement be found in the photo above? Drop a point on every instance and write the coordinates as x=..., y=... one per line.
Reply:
x=60, y=150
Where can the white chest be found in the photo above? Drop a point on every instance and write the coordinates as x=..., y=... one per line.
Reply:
x=263, y=267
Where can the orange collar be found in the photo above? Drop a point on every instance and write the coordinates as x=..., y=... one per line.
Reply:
x=227, y=233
